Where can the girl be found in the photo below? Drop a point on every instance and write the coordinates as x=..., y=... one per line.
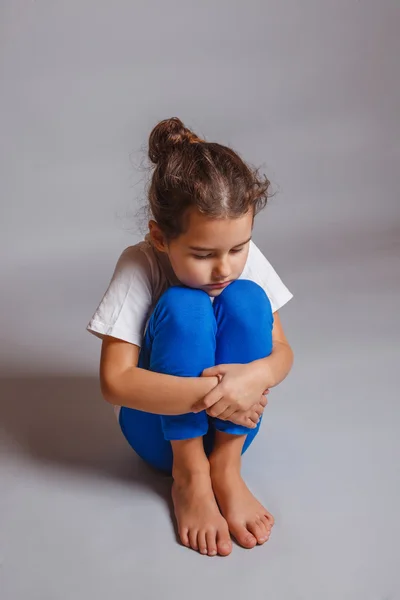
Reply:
x=191, y=337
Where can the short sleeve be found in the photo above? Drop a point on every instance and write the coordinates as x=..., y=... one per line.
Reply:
x=126, y=305
x=260, y=270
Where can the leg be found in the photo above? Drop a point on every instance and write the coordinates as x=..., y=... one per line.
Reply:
x=200, y=523
x=165, y=350
x=176, y=345
x=244, y=318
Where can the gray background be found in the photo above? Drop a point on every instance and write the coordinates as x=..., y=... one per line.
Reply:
x=308, y=90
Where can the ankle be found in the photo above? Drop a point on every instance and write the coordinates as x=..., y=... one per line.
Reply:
x=190, y=460
x=226, y=463
x=186, y=475
x=227, y=452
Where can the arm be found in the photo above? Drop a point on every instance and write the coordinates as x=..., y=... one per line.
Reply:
x=125, y=384
x=242, y=384
x=274, y=368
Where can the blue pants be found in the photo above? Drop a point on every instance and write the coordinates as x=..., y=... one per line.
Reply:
x=185, y=335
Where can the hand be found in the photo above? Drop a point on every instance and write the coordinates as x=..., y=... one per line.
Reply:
x=251, y=417
x=239, y=389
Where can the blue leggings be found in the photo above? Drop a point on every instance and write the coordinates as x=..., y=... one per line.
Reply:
x=185, y=335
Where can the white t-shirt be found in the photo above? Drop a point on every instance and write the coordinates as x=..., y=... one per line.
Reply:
x=143, y=274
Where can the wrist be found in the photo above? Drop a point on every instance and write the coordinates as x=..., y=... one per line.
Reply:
x=261, y=372
x=204, y=385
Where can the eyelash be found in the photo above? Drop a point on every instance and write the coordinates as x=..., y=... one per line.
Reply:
x=210, y=255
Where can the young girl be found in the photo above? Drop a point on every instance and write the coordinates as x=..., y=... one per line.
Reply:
x=192, y=340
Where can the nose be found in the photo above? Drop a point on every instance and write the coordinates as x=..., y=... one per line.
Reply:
x=221, y=270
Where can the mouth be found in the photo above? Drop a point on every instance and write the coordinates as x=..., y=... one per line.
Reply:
x=218, y=286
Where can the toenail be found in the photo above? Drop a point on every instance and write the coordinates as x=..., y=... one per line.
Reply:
x=212, y=552
x=204, y=551
x=250, y=540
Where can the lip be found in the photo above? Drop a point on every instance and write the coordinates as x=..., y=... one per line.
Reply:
x=218, y=286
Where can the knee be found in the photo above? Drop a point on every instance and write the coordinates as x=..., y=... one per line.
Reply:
x=185, y=306
x=177, y=297
x=246, y=288
x=243, y=297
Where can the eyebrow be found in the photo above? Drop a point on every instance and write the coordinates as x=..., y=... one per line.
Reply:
x=200, y=249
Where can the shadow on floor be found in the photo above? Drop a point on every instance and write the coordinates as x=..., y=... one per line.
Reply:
x=64, y=421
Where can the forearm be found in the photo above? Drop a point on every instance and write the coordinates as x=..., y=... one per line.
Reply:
x=274, y=368
x=155, y=392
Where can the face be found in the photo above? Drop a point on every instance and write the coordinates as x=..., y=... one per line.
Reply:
x=211, y=253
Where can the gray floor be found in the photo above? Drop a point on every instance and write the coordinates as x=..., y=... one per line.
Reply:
x=310, y=93
x=81, y=517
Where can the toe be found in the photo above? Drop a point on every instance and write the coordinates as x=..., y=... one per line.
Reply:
x=243, y=536
x=201, y=542
x=269, y=518
x=267, y=523
x=193, y=539
x=224, y=543
x=211, y=539
x=257, y=530
x=184, y=537
x=264, y=531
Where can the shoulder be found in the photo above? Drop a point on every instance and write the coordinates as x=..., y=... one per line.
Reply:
x=140, y=252
x=260, y=270
x=137, y=259
x=127, y=301
x=257, y=263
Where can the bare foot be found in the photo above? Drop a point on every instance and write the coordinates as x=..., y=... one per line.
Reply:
x=249, y=522
x=200, y=523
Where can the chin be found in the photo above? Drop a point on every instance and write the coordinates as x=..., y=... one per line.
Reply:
x=214, y=293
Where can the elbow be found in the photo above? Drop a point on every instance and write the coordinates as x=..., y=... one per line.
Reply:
x=288, y=354
x=117, y=365
x=286, y=347
x=291, y=356
x=110, y=385
x=107, y=391
x=116, y=387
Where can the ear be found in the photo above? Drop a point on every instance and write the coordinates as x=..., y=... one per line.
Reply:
x=157, y=237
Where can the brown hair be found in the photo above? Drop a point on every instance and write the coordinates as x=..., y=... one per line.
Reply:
x=190, y=171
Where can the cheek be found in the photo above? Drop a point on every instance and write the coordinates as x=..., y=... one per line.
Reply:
x=241, y=263
x=198, y=270
x=190, y=271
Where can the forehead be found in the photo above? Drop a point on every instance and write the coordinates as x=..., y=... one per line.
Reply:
x=216, y=233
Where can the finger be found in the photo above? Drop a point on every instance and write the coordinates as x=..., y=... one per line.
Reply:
x=242, y=419
x=227, y=413
x=250, y=424
x=254, y=417
x=209, y=400
x=218, y=409
x=214, y=371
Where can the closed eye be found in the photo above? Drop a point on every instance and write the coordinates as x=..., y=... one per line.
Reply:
x=206, y=256
x=199, y=257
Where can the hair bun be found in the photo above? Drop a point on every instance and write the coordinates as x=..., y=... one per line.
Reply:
x=166, y=136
